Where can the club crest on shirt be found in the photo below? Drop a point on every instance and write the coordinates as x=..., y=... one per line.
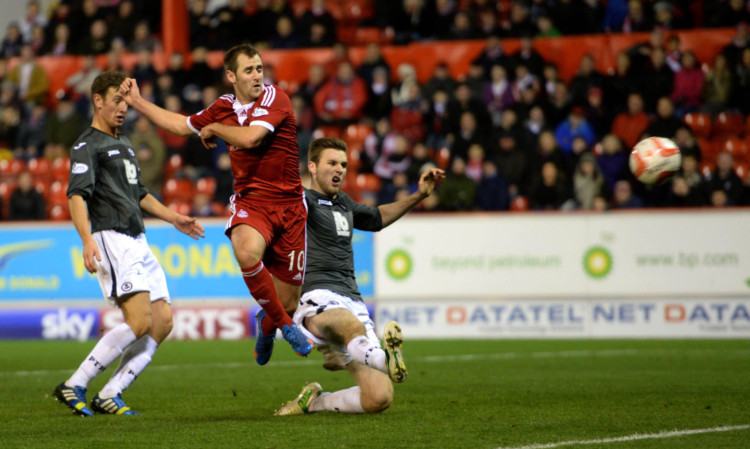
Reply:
x=79, y=168
x=259, y=112
x=242, y=213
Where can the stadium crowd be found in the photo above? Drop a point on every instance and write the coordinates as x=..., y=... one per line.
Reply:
x=511, y=133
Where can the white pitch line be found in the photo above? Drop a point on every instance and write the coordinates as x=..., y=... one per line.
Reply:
x=634, y=437
x=428, y=359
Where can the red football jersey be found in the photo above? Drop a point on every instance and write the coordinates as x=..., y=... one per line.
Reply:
x=270, y=170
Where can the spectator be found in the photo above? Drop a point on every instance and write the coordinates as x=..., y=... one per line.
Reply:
x=201, y=33
x=379, y=103
x=741, y=95
x=696, y=182
x=613, y=161
x=458, y=192
x=230, y=24
x=318, y=25
x=407, y=77
x=724, y=178
x=492, y=54
x=200, y=73
x=151, y=154
x=740, y=41
x=224, y=179
x=529, y=57
x=59, y=44
x=124, y=22
x=469, y=133
x=588, y=182
x=621, y=83
x=285, y=36
x=570, y=17
x=393, y=158
x=263, y=22
x=29, y=78
x=341, y=100
x=420, y=161
x=637, y=19
x=142, y=38
x=441, y=80
x=717, y=86
x=63, y=128
x=176, y=70
x=519, y=21
x=462, y=102
x=32, y=132
x=688, y=85
x=492, y=190
x=548, y=190
x=630, y=125
x=546, y=28
x=575, y=125
x=316, y=78
x=673, y=53
x=624, y=198
x=382, y=136
x=687, y=143
x=144, y=71
x=586, y=77
x=729, y=13
x=665, y=124
x=498, y=94
x=656, y=80
x=12, y=42
x=598, y=113
x=547, y=150
x=437, y=120
x=719, y=199
x=97, y=41
x=373, y=60
x=680, y=194
x=25, y=202
x=475, y=160
x=33, y=17
x=10, y=125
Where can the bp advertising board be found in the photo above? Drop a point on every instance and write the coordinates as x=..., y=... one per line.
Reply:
x=576, y=255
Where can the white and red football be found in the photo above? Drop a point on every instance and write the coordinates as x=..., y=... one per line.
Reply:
x=655, y=160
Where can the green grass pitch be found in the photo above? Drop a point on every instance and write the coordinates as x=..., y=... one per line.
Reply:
x=480, y=394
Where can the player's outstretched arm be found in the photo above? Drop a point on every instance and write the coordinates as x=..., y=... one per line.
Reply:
x=167, y=120
x=427, y=183
x=242, y=137
x=80, y=216
x=185, y=224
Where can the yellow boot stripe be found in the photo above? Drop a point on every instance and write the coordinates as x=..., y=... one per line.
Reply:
x=123, y=410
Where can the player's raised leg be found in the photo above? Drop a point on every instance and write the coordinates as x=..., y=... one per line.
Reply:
x=392, y=341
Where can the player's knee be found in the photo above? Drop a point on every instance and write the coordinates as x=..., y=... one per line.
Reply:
x=376, y=401
x=141, y=326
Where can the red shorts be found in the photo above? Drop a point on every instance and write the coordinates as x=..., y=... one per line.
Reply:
x=282, y=225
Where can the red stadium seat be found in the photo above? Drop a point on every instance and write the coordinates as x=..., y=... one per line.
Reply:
x=327, y=131
x=728, y=124
x=368, y=182
x=519, y=204
x=178, y=190
x=707, y=168
x=180, y=206
x=11, y=168
x=356, y=133
x=42, y=187
x=61, y=169
x=58, y=193
x=443, y=157
x=40, y=168
x=737, y=147
x=174, y=163
x=742, y=169
x=699, y=123
x=58, y=212
x=206, y=186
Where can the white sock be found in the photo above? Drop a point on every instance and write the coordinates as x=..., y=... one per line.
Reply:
x=342, y=401
x=366, y=353
x=104, y=353
x=135, y=359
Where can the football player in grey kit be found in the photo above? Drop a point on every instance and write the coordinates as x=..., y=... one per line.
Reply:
x=105, y=186
x=331, y=311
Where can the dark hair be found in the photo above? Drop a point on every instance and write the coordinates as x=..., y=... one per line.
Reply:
x=231, y=55
x=319, y=145
x=104, y=81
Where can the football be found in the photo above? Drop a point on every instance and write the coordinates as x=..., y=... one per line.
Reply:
x=655, y=160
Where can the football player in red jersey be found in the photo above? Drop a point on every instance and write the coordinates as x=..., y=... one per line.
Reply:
x=267, y=227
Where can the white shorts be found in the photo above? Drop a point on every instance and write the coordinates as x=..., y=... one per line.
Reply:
x=318, y=301
x=128, y=265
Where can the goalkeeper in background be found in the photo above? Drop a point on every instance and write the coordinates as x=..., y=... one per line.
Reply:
x=331, y=311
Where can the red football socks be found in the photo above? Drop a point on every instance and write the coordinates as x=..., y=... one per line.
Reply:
x=261, y=286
